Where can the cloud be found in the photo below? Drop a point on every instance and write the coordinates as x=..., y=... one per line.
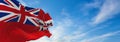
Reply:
x=107, y=11
x=78, y=35
x=86, y=7
x=94, y=4
x=100, y=38
x=65, y=13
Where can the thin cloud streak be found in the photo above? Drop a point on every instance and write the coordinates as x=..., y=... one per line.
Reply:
x=108, y=10
x=79, y=36
x=98, y=38
x=86, y=7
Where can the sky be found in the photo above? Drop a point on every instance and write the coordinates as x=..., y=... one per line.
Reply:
x=80, y=20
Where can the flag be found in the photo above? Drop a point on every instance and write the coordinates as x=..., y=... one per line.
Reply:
x=19, y=23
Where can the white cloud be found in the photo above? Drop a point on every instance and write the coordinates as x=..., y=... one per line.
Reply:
x=78, y=35
x=94, y=4
x=65, y=13
x=86, y=7
x=100, y=38
x=107, y=11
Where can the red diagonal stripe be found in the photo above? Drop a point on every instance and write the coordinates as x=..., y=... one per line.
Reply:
x=6, y=8
x=7, y=1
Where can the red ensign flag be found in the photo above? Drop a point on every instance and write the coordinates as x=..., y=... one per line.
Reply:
x=19, y=23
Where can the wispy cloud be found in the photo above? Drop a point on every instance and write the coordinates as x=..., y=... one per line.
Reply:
x=86, y=7
x=101, y=37
x=78, y=35
x=107, y=11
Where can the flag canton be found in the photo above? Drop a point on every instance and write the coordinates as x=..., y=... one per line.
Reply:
x=13, y=11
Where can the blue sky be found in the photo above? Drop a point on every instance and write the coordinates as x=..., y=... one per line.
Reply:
x=81, y=20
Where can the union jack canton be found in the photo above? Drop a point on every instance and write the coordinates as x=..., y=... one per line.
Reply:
x=12, y=10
